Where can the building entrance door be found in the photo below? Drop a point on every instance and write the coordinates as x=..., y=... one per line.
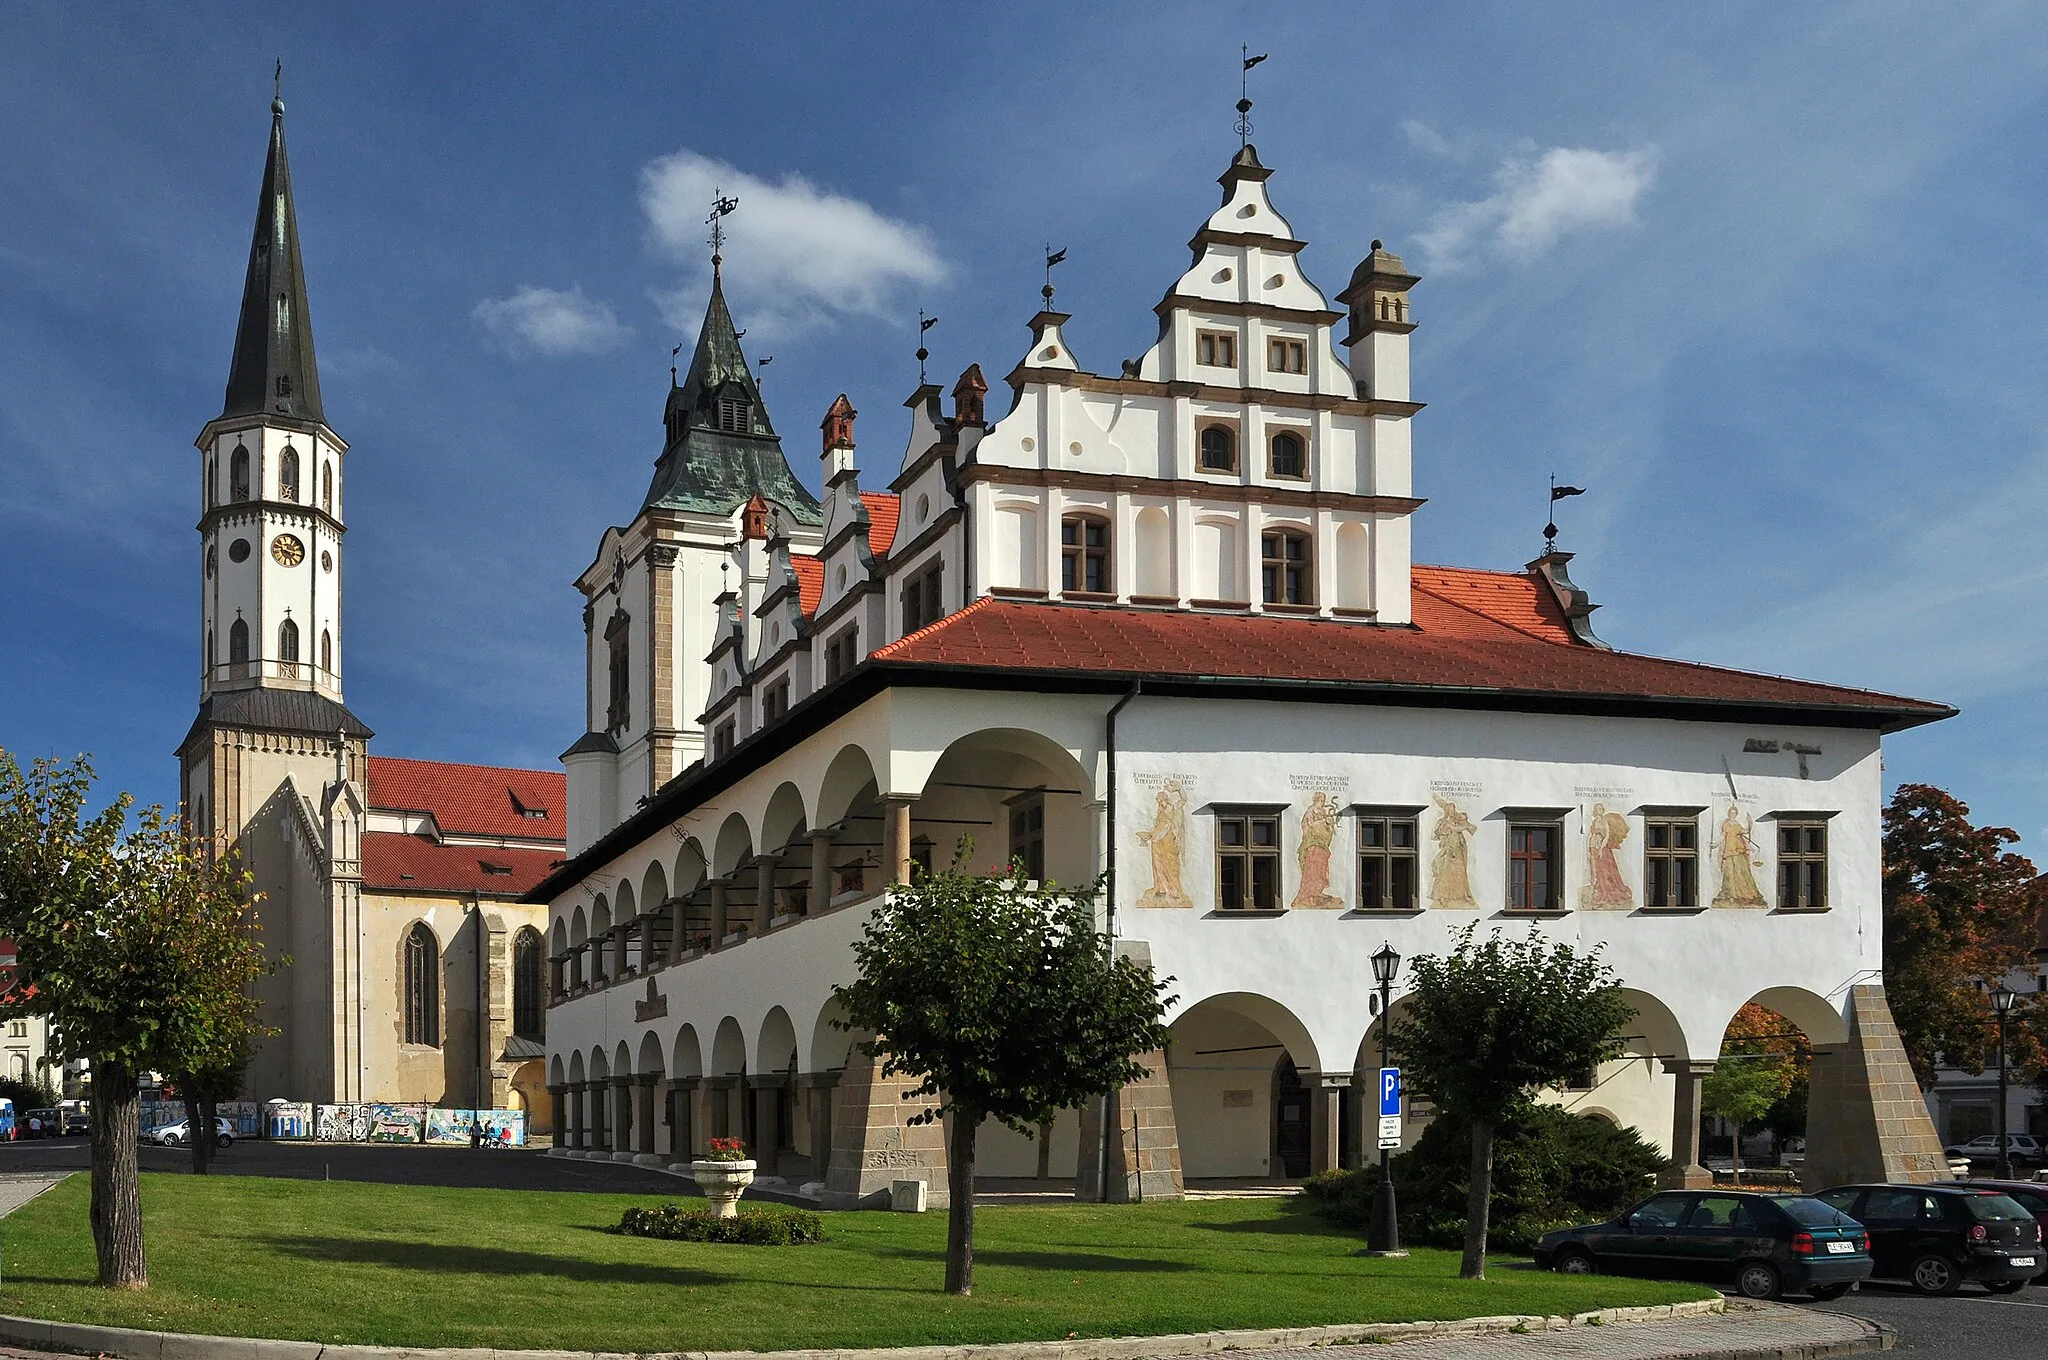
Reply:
x=1290, y=1118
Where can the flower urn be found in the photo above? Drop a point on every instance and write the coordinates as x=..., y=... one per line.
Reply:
x=722, y=1183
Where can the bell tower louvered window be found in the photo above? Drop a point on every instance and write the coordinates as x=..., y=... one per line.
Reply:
x=735, y=414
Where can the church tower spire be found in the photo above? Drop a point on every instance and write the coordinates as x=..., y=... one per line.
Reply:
x=273, y=371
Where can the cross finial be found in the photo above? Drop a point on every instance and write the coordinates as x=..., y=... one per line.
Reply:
x=1244, y=100
x=720, y=206
x=277, y=87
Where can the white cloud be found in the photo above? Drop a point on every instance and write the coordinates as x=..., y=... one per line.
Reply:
x=1536, y=202
x=551, y=322
x=798, y=252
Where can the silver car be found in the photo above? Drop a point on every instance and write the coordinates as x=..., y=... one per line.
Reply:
x=178, y=1134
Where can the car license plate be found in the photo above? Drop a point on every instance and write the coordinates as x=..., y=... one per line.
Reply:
x=2023, y=1260
x=1841, y=1248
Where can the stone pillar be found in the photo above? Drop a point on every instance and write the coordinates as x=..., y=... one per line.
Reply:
x=577, y=1131
x=718, y=921
x=618, y=943
x=1686, y=1173
x=821, y=1086
x=718, y=1094
x=819, y=896
x=896, y=838
x=646, y=1081
x=622, y=1114
x=678, y=917
x=1326, y=1115
x=596, y=1139
x=874, y=1142
x=682, y=1122
x=1144, y=1141
x=764, y=893
x=766, y=1092
x=558, y=1109
x=1866, y=1119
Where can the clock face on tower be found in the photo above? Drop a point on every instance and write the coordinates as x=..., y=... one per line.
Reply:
x=288, y=551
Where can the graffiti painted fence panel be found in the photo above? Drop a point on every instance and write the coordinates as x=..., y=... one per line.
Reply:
x=288, y=1119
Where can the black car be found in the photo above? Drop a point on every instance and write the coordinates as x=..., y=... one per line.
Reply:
x=2029, y=1195
x=1766, y=1245
x=1934, y=1237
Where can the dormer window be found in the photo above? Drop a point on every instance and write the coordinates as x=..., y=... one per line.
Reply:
x=532, y=812
x=735, y=414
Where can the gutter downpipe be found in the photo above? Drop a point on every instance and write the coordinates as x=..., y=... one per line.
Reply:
x=1109, y=912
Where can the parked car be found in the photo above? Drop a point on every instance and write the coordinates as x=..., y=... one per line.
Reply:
x=39, y=1123
x=1934, y=1237
x=1765, y=1245
x=2026, y=1149
x=2029, y=1195
x=180, y=1133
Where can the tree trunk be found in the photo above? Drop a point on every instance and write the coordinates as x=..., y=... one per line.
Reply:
x=193, y=1115
x=209, y=1111
x=1045, y=1151
x=960, y=1213
x=1473, y=1267
x=1735, y=1152
x=116, y=1183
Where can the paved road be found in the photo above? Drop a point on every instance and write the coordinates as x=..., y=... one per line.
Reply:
x=1971, y=1325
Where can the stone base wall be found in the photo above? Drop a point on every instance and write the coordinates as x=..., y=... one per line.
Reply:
x=874, y=1142
x=1144, y=1149
x=1866, y=1118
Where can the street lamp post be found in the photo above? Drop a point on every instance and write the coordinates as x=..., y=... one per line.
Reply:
x=1385, y=1235
x=2002, y=998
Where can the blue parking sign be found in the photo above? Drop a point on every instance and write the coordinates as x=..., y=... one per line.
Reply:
x=1390, y=1092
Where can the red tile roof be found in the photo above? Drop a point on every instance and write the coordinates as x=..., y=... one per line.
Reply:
x=810, y=582
x=884, y=508
x=1511, y=597
x=405, y=863
x=475, y=800
x=1457, y=644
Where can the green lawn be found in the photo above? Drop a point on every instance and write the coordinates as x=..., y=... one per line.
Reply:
x=401, y=1265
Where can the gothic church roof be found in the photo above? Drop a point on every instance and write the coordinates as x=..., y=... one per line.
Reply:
x=273, y=372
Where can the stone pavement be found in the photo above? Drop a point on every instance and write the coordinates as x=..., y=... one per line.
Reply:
x=1745, y=1332
x=18, y=1188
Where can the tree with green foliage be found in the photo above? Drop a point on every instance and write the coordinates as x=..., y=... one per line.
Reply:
x=1959, y=908
x=1490, y=1024
x=137, y=946
x=1760, y=1062
x=1007, y=1003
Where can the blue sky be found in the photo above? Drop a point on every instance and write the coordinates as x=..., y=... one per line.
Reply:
x=1765, y=278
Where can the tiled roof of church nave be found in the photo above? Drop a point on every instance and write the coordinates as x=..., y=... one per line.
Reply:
x=1482, y=631
x=465, y=801
x=394, y=861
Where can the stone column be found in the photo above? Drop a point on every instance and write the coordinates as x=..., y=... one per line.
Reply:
x=678, y=917
x=767, y=1097
x=645, y=1081
x=819, y=897
x=1326, y=1120
x=576, y=1129
x=622, y=1114
x=557, y=1109
x=1686, y=1173
x=896, y=838
x=764, y=893
x=821, y=1086
x=874, y=1142
x=718, y=1094
x=597, y=1136
x=620, y=934
x=682, y=1098
x=1144, y=1141
x=718, y=921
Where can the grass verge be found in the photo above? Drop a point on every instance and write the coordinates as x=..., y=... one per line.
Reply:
x=339, y=1261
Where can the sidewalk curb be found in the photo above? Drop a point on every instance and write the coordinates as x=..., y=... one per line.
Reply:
x=131, y=1344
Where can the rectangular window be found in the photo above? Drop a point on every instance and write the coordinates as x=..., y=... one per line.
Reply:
x=1027, y=837
x=1387, y=873
x=1671, y=862
x=775, y=702
x=1287, y=356
x=840, y=654
x=924, y=598
x=1248, y=862
x=1284, y=576
x=1084, y=554
x=1802, y=865
x=721, y=739
x=1532, y=866
x=1216, y=349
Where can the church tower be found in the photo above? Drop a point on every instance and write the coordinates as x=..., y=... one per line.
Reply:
x=273, y=766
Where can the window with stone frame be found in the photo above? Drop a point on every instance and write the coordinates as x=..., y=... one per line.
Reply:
x=722, y=739
x=618, y=707
x=1802, y=863
x=842, y=653
x=1286, y=356
x=1218, y=451
x=1534, y=871
x=1286, y=568
x=422, y=987
x=1389, y=869
x=1671, y=860
x=529, y=997
x=924, y=597
x=288, y=649
x=1247, y=859
x=1027, y=835
x=1287, y=455
x=288, y=474
x=775, y=703
x=1084, y=554
x=1216, y=349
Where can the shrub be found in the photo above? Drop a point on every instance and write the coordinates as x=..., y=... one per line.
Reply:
x=1551, y=1169
x=750, y=1227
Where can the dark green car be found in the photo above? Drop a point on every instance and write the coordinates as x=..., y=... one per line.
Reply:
x=1764, y=1245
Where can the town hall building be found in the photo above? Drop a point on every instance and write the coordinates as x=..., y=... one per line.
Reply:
x=1163, y=625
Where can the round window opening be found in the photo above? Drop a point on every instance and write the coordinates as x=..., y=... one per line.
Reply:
x=238, y=551
x=1029, y=444
x=839, y=578
x=924, y=508
x=327, y=561
x=1075, y=448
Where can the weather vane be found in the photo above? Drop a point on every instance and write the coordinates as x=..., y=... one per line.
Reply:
x=1244, y=98
x=672, y=364
x=761, y=367
x=1557, y=493
x=1052, y=257
x=924, y=323
x=277, y=80
x=720, y=206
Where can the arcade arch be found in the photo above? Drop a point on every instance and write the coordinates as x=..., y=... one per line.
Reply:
x=1241, y=1068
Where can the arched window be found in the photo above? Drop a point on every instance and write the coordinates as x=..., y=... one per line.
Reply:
x=1288, y=456
x=1219, y=448
x=288, y=474
x=529, y=1000
x=288, y=647
x=618, y=708
x=238, y=473
x=212, y=484
x=238, y=644
x=1284, y=573
x=210, y=658
x=326, y=651
x=327, y=487
x=422, y=987
x=1084, y=553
